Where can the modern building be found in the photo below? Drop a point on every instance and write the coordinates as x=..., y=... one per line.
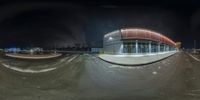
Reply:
x=12, y=50
x=136, y=41
x=178, y=45
x=96, y=50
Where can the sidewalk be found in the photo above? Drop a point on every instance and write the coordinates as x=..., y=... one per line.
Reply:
x=135, y=59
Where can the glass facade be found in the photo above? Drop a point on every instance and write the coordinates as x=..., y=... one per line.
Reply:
x=129, y=47
x=144, y=46
x=154, y=47
x=162, y=47
x=136, y=41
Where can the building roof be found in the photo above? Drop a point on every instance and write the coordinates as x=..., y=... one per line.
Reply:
x=137, y=33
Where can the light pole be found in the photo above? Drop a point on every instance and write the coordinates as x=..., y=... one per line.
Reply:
x=194, y=46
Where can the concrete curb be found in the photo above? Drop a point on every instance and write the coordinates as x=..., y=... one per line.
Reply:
x=33, y=57
x=129, y=60
x=28, y=70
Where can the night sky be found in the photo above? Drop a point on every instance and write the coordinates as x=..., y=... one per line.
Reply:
x=64, y=24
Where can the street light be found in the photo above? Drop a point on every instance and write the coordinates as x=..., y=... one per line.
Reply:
x=110, y=38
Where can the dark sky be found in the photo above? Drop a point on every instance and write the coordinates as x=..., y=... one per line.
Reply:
x=65, y=24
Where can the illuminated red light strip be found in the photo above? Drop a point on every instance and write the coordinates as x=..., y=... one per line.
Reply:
x=133, y=33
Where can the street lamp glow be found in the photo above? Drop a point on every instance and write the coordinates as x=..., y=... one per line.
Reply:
x=110, y=38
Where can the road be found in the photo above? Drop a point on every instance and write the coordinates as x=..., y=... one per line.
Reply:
x=86, y=77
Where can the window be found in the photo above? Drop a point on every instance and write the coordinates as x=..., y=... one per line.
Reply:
x=154, y=47
x=129, y=47
x=162, y=48
x=143, y=46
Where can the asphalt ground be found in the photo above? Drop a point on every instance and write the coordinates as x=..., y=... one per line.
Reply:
x=86, y=77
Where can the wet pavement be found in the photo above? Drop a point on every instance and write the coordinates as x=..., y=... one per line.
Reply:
x=86, y=77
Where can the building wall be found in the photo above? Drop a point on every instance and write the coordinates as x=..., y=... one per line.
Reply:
x=114, y=43
x=114, y=48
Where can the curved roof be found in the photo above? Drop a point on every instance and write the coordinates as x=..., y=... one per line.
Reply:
x=137, y=33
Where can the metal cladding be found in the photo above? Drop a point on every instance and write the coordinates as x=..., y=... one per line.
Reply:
x=136, y=33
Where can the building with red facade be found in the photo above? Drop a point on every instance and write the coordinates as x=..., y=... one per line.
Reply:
x=136, y=41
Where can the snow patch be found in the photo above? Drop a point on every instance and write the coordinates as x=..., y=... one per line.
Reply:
x=154, y=72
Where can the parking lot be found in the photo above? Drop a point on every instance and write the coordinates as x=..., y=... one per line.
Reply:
x=86, y=77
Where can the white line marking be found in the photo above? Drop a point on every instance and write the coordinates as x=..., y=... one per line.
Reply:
x=72, y=58
x=64, y=59
x=192, y=94
x=193, y=57
x=196, y=90
x=27, y=70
